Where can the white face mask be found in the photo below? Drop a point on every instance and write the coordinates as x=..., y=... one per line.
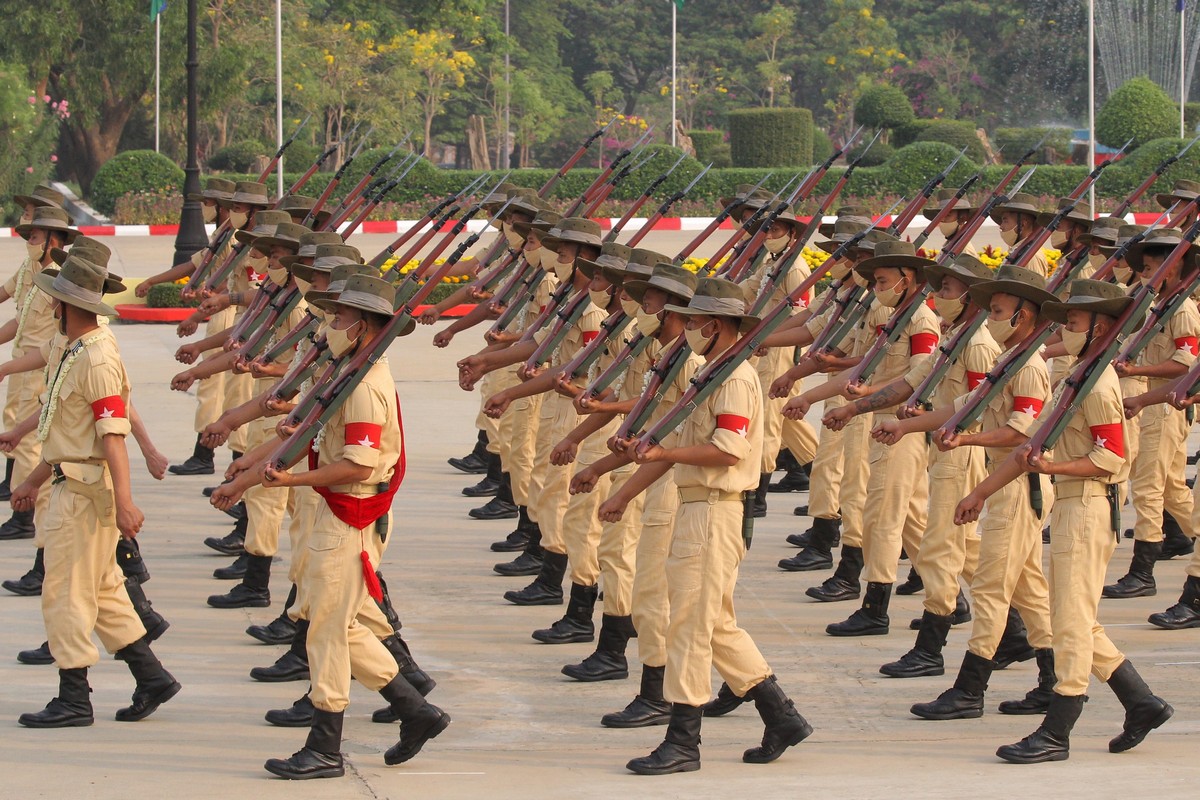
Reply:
x=839, y=269
x=340, y=341
x=890, y=297
x=699, y=343
x=775, y=246
x=947, y=229
x=1058, y=239
x=534, y=257
x=630, y=307
x=1001, y=329
x=563, y=271
x=35, y=252
x=599, y=299
x=1122, y=273
x=948, y=308
x=278, y=275
x=238, y=219
x=1009, y=237
x=648, y=324
x=1073, y=343
x=209, y=213
x=1096, y=260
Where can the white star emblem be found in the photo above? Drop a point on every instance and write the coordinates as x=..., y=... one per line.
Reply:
x=107, y=413
x=1031, y=411
x=1185, y=348
x=254, y=276
x=1101, y=441
x=743, y=431
x=366, y=442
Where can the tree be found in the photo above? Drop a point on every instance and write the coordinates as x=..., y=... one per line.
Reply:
x=883, y=106
x=440, y=66
x=1140, y=110
x=772, y=26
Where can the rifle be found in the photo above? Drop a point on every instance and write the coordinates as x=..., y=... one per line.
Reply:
x=1128, y=202
x=1089, y=368
x=337, y=176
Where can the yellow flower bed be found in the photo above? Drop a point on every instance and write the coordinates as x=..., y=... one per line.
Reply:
x=414, y=263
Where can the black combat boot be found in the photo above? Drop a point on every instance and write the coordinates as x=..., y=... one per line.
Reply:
x=152, y=621
x=30, y=584
x=608, y=662
x=420, y=720
x=843, y=584
x=725, y=702
x=784, y=725
x=1139, y=581
x=796, y=479
x=501, y=506
x=912, y=584
x=489, y=485
x=1036, y=700
x=298, y=715
x=806, y=539
x=818, y=553
x=253, y=592
x=71, y=709
x=19, y=526
x=960, y=616
x=680, y=749
x=871, y=619
x=1052, y=740
x=648, y=708
x=416, y=677
x=155, y=685
x=530, y=561
x=546, y=589
x=6, y=486
x=38, y=657
x=760, y=495
x=1144, y=711
x=129, y=559
x=518, y=540
x=279, y=630
x=576, y=625
x=201, y=462
x=1014, y=643
x=1175, y=541
x=1185, y=613
x=232, y=543
x=321, y=756
x=926, y=656
x=964, y=700
x=235, y=571
x=475, y=462
x=292, y=665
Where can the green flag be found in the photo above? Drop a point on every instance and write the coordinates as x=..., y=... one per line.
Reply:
x=159, y=6
x=679, y=4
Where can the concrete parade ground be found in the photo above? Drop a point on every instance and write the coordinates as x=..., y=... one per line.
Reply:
x=520, y=728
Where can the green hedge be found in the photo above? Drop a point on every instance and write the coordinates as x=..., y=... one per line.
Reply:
x=705, y=143
x=168, y=295
x=131, y=171
x=1140, y=110
x=822, y=146
x=237, y=156
x=912, y=166
x=956, y=133
x=877, y=156
x=771, y=137
x=1012, y=143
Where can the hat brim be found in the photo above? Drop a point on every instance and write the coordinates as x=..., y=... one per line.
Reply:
x=250, y=200
x=553, y=242
x=1168, y=199
x=867, y=267
x=1056, y=311
x=1013, y=208
x=745, y=321
x=303, y=272
x=24, y=230
x=259, y=242
x=1134, y=255
x=981, y=293
x=113, y=284
x=935, y=272
x=931, y=212
x=46, y=284
x=1090, y=239
x=1044, y=217
x=40, y=202
x=330, y=302
x=637, y=290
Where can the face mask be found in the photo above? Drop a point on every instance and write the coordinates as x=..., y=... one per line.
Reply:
x=775, y=246
x=563, y=271
x=36, y=252
x=1096, y=260
x=860, y=280
x=323, y=328
x=948, y=308
x=278, y=275
x=948, y=229
x=209, y=213
x=1058, y=239
x=547, y=258
x=648, y=324
x=340, y=341
x=1001, y=329
x=533, y=257
x=1123, y=274
x=600, y=299
x=889, y=297
x=26, y=219
x=256, y=264
x=1073, y=343
x=699, y=343
x=515, y=240
x=630, y=307
x=1009, y=237
x=238, y=219
x=839, y=269
x=304, y=286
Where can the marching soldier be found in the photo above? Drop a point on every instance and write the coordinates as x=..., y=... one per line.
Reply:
x=1018, y=221
x=955, y=221
x=1103, y=233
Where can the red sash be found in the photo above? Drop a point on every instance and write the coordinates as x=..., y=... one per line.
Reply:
x=359, y=512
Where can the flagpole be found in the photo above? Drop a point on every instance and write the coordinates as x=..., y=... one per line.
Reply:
x=674, y=10
x=1092, y=98
x=279, y=92
x=157, y=76
x=1182, y=63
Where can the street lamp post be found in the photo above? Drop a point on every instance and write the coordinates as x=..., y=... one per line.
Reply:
x=191, y=236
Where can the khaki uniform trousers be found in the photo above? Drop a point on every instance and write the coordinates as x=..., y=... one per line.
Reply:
x=895, y=517
x=549, y=487
x=210, y=391
x=828, y=464
x=581, y=527
x=84, y=589
x=608, y=556
x=265, y=507
x=1010, y=569
x=651, y=609
x=239, y=388
x=23, y=401
x=949, y=550
x=702, y=571
x=490, y=384
x=800, y=438
x=339, y=645
x=777, y=361
x=1193, y=565
x=1158, y=473
x=1081, y=543
x=518, y=444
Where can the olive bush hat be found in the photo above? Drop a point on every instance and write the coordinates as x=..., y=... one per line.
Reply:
x=214, y=189
x=369, y=294
x=249, y=192
x=328, y=257
x=942, y=198
x=265, y=223
x=612, y=256
x=966, y=268
x=1019, y=203
x=895, y=254
x=49, y=218
x=1104, y=230
x=574, y=230
x=1097, y=297
x=337, y=282
x=1182, y=190
x=79, y=283
x=717, y=297
x=676, y=281
x=1016, y=281
x=42, y=195
x=1159, y=237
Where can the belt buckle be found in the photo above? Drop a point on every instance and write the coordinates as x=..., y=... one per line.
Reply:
x=57, y=472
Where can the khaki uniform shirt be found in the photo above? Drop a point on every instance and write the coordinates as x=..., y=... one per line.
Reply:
x=1097, y=431
x=753, y=286
x=969, y=370
x=1038, y=263
x=1018, y=405
x=582, y=331
x=93, y=398
x=34, y=310
x=670, y=393
x=365, y=431
x=1176, y=342
x=731, y=419
x=909, y=357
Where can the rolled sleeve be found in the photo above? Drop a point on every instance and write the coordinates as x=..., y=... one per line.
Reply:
x=105, y=390
x=734, y=399
x=364, y=409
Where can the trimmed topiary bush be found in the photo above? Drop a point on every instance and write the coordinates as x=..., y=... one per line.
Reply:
x=771, y=137
x=909, y=169
x=1140, y=110
x=133, y=170
x=877, y=156
x=883, y=106
x=1016, y=142
x=956, y=133
x=168, y=295
x=240, y=156
x=704, y=142
x=907, y=134
x=822, y=146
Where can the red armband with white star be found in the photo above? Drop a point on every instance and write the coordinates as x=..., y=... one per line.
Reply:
x=1028, y=405
x=733, y=423
x=1188, y=344
x=111, y=407
x=1110, y=437
x=363, y=434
